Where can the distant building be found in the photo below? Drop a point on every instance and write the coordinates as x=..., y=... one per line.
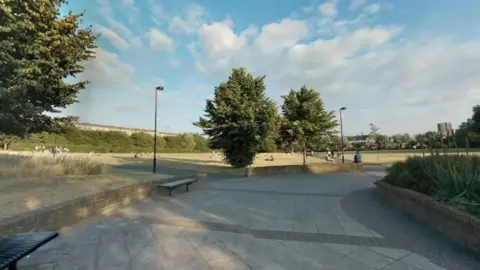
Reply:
x=129, y=131
x=445, y=129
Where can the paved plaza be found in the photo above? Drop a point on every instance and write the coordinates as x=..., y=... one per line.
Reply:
x=283, y=222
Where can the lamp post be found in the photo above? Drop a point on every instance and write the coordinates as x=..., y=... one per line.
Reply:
x=341, y=132
x=158, y=88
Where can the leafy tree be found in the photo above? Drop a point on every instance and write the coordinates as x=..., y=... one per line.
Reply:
x=470, y=130
x=239, y=118
x=305, y=119
x=269, y=143
x=186, y=142
x=382, y=142
x=201, y=144
x=142, y=139
x=372, y=136
x=39, y=50
x=336, y=143
x=6, y=140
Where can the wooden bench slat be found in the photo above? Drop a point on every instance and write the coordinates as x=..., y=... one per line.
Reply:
x=16, y=246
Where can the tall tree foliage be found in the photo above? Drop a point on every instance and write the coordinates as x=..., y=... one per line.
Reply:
x=305, y=119
x=470, y=129
x=39, y=49
x=240, y=118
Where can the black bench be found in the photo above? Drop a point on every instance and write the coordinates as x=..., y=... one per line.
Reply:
x=16, y=246
x=174, y=184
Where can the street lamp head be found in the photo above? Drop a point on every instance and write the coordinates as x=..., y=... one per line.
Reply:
x=343, y=108
x=159, y=88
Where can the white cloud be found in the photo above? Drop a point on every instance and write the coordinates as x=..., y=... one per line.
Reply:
x=416, y=83
x=308, y=9
x=372, y=9
x=158, y=14
x=329, y=9
x=119, y=34
x=218, y=38
x=250, y=31
x=354, y=4
x=106, y=69
x=104, y=7
x=111, y=35
x=159, y=40
x=118, y=26
x=192, y=20
x=275, y=37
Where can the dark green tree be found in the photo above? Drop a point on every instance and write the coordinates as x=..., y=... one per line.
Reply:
x=39, y=49
x=305, y=120
x=239, y=118
x=470, y=130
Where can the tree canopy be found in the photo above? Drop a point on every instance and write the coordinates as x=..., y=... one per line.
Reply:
x=39, y=50
x=306, y=122
x=240, y=118
x=470, y=130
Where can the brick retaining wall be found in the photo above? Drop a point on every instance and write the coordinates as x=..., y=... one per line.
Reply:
x=54, y=217
x=457, y=226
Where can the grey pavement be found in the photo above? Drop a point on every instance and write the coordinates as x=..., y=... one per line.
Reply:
x=284, y=222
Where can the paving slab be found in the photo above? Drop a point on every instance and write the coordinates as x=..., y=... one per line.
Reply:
x=283, y=222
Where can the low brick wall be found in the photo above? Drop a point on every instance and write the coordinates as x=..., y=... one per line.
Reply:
x=68, y=213
x=316, y=168
x=457, y=226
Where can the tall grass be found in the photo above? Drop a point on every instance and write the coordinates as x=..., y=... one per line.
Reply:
x=20, y=166
x=451, y=179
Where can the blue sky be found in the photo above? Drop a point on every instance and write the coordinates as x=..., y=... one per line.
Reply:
x=402, y=65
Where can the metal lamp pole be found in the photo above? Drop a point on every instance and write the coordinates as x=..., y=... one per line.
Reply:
x=158, y=88
x=341, y=133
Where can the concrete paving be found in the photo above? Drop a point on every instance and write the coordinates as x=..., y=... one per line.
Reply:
x=285, y=222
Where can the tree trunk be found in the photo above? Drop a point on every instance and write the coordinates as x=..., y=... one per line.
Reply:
x=304, y=156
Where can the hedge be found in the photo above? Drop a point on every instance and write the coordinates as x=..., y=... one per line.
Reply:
x=451, y=179
x=77, y=140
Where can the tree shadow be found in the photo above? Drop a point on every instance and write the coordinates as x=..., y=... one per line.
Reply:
x=176, y=167
x=399, y=227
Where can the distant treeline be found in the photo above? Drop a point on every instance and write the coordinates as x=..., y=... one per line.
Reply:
x=77, y=140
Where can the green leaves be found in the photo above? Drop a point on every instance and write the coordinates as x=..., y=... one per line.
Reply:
x=470, y=130
x=451, y=179
x=305, y=120
x=39, y=51
x=240, y=120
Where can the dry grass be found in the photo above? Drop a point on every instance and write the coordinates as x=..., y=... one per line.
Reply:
x=200, y=160
x=42, y=165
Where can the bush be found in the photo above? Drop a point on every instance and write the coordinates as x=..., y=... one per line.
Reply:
x=18, y=166
x=77, y=140
x=451, y=179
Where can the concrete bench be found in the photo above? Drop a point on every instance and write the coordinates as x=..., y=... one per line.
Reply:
x=16, y=246
x=173, y=185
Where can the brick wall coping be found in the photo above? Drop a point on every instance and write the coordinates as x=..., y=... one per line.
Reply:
x=457, y=226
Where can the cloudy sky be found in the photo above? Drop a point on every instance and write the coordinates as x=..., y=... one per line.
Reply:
x=402, y=65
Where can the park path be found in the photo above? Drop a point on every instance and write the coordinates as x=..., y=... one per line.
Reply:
x=284, y=222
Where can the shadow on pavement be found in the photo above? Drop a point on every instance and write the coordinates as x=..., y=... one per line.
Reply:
x=400, y=228
x=173, y=167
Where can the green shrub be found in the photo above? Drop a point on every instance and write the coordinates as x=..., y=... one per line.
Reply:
x=451, y=179
x=77, y=140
